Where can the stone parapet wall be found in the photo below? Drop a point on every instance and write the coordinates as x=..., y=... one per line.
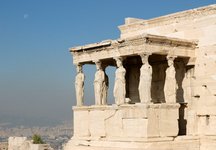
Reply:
x=126, y=121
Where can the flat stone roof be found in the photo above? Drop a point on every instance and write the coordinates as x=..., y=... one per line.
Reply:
x=133, y=46
x=147, y=38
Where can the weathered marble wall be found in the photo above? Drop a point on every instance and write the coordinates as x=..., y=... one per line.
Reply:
x=126, y=121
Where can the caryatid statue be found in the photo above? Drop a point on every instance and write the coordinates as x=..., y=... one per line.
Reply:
x=145, y=80
x=79, y=85
x=120, y=83
x=99, y=83
x=105, y=88
x=170, y=86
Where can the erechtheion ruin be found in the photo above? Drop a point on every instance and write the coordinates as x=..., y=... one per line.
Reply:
x=164, y=90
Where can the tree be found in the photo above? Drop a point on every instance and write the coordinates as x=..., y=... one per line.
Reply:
x=37, y=139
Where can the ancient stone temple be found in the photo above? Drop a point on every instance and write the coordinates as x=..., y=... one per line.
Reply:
x=164, y=90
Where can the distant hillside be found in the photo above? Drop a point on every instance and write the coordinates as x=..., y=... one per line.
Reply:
x=14, y=121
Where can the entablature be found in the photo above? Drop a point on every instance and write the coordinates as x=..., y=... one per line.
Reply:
x=145, y=43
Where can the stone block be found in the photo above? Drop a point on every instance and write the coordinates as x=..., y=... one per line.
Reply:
x=135, y=127
x=97, y=123
x=168, y=121
x=192, y=123
x=207, y=143
x=202, y=123
x=21, y=143
x=206, y=125
x=81, y=123
x=209, y=30
x=207, y=105
x=14, y=143
x=153, y=122
x=211, y=126
x=113, y=123
x=40, y=147
x=136, y=111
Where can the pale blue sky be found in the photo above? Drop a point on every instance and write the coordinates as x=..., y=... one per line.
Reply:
x=36, y=70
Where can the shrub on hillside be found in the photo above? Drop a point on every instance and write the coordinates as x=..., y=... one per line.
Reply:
x=37, y=139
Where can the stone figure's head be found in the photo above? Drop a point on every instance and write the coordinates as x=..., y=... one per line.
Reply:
x=98, y=64
x=170, y=60
x=119, y=61
x=79, y=68
x=144, y=58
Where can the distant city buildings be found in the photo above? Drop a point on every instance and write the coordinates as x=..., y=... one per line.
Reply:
x=55, y=136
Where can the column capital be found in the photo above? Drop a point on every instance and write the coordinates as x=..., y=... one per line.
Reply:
x=79, y=67
x=118, y=58
x=78, y=64
x=97, y=61
x=171, y=57
x=144, y=56
x=119, y=61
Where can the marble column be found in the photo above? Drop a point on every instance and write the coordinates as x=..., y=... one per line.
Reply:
x=120, y=83
x=79, y=85
x=99, y=83
x=145, y=80
x=170, y=85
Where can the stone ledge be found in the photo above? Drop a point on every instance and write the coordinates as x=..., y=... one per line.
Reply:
x=179, y=138
x=164, y=144
x=131, y=106
x=124, y=139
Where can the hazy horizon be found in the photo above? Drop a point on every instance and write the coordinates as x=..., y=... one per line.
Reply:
x=37, y=73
